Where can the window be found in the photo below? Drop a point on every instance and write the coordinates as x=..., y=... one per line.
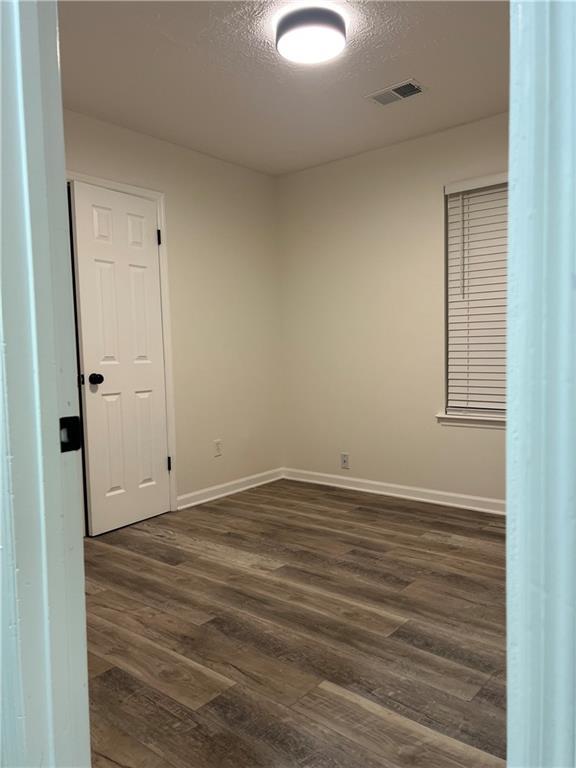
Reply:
x=476, y=256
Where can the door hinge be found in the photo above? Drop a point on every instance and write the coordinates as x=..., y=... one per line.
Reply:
x=159, y=236
x=169, y=463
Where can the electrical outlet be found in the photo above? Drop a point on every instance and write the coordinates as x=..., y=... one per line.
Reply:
x=344, y=461
x=217, y=448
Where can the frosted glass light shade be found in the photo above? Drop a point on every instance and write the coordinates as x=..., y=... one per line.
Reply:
x=311, y=35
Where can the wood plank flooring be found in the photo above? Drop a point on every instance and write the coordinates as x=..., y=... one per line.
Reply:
x=299, y=626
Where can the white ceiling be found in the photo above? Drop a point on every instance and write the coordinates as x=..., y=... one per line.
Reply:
x=206, y=75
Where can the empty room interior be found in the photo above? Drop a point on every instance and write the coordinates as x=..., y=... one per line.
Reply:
x=289, y=232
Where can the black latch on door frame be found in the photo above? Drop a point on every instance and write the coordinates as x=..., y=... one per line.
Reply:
x=70, y=433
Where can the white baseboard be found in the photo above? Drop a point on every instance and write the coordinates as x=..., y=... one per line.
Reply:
x=446, y=498
x=226, y=489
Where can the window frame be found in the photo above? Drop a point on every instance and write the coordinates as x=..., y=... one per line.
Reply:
x=464, y=419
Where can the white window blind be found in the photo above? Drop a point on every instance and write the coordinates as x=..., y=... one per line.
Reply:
x=477, y=249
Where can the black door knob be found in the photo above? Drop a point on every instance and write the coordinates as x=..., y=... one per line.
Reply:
x=95, y=378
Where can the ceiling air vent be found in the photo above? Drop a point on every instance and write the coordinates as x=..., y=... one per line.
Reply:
x=396, y=92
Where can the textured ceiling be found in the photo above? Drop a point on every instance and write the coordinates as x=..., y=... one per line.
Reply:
x=206, y=75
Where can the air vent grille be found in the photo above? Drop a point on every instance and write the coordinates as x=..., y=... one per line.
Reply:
x=396, y=92
x=407, y=89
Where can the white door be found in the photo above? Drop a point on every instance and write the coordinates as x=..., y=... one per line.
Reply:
x=121, y=356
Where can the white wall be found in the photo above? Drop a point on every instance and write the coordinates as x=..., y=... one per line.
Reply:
x=308, y=311
x=224, y=293
x=363, y=288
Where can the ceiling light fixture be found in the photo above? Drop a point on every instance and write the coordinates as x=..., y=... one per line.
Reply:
x=311, y=35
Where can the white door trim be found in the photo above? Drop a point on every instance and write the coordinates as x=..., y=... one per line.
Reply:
x=158, y=198
x=43, y=670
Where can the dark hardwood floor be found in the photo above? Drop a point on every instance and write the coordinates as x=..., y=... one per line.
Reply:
x=299, y=626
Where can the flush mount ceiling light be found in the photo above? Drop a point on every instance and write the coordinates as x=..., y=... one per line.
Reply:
x=311, y=35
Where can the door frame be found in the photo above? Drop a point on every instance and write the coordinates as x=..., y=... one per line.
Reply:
x=541, y=437
x=43, y=655
x=159, y=199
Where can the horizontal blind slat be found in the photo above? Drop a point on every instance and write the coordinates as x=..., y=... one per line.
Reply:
x=479, y=198
x=473, y=258
x=485, y=232
x=485, y=211
x=477, y=269
x=471, y=280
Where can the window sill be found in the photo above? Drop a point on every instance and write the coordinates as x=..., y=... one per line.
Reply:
x=483, y=421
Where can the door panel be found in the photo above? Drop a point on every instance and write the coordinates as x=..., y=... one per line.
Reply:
x=120, y=326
